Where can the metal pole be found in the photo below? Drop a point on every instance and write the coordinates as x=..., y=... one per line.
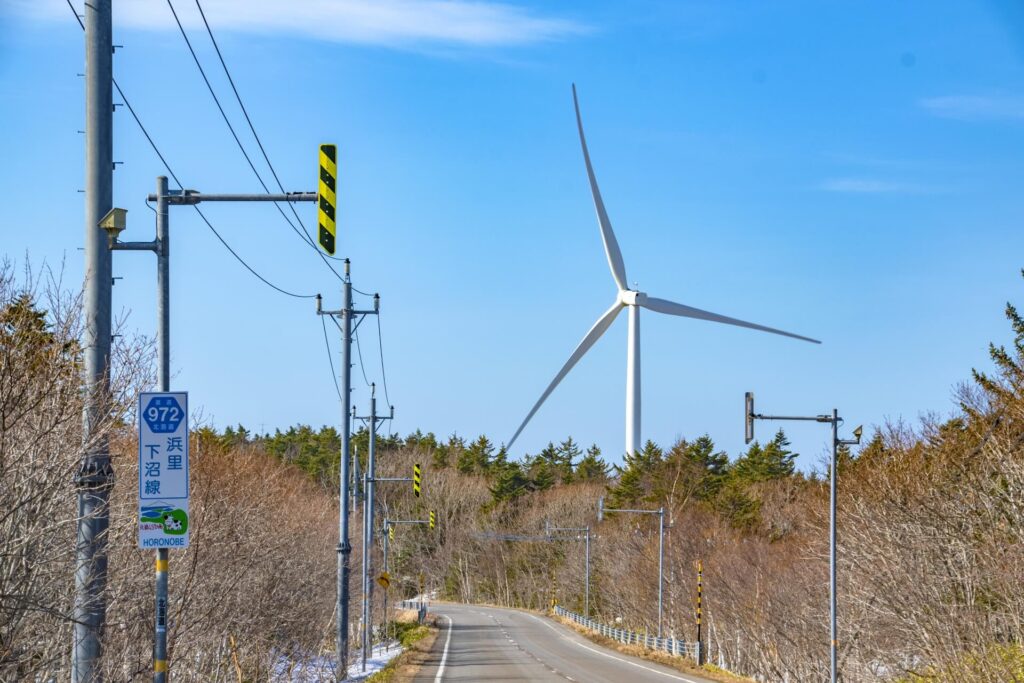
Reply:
x=95, y=476
x=661, y=565
x=363, y=638
x=700, y=596
x=368, y=522
x=832, y=548
x=586, y=591
x=386, y=544
x=344, y=547
x=163, y=353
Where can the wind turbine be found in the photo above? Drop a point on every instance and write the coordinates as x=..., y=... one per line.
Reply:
x=632, y=300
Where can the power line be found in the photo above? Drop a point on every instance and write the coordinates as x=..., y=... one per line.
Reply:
x=359, y=350
x=209, y=86
x=247, y=266
x=383, y=375
x=170, y=172
x=255, y=135
x=330, y=358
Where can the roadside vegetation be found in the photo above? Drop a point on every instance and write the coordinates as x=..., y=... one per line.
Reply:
x=931, y=531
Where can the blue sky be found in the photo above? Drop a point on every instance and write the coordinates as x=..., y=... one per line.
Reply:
x=849, y=171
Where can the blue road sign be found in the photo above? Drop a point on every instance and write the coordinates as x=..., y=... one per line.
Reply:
x=164, y=520
x=163, y=414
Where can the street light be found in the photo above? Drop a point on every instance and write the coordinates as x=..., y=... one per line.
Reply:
x=601, y=509
x=833, y=419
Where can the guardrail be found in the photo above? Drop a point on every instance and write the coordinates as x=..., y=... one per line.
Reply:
x=672, y=646
x=419, y=605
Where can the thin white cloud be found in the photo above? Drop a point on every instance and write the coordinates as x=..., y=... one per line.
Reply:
x=976, y=107
x=392, y=23
x=870, y=186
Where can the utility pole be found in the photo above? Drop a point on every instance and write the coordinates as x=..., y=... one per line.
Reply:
x=95, y=476
x=347, y=314
x=161, y=247
x=835, y=421
x=586, y=580
x=368, y=510
x=601, y=510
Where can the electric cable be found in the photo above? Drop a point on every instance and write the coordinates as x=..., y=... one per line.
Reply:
x=330, y=358
x=170, y=172
x=209, y=86
x=383, y=374
x=255, y=135
x=362, y=366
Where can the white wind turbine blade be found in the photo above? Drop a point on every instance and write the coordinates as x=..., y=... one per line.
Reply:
x=602, y=324
x=611, y=246
x=672, y=308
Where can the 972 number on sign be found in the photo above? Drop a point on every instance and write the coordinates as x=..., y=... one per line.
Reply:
x=163, y=414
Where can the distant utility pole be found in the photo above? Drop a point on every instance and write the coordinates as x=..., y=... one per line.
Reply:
x=347, y=314
x=835, y=421
x=95, y=476
x=700, y=599
x=586, y=581
x=368, y=502
x=601, y=509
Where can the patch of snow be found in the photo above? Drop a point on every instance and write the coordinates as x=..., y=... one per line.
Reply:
x=321, y=669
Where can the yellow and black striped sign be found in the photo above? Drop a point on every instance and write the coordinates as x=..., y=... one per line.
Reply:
x=417, y=480
x=327, y=198
x=391, y=532
x=433, y=519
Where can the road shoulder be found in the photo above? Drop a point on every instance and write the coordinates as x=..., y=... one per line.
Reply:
x=680, y=664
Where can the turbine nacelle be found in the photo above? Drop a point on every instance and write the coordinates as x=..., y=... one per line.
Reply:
x=631, y=297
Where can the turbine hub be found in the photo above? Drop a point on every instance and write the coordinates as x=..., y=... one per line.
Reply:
x=630, y=297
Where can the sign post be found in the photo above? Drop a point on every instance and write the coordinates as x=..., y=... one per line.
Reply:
x=163, y=493
x=163, y=470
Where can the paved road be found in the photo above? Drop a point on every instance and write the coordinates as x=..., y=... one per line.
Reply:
x=489, y=644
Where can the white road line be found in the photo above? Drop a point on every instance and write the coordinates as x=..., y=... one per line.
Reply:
x=444, y=656
x=610, y=656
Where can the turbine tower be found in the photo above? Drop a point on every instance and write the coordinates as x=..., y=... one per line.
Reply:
x=633, y=301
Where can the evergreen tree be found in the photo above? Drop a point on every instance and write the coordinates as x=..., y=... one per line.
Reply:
x=566, y=456
x=510, y=482
x=636, y=476
x=591, y=468
x=696, y=467
x=476, y=459
x=764, y=463
x=1009, y=363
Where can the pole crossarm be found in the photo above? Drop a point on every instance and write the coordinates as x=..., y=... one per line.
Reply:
x=639, y=512
x=407, y=521
x=492, y=536
x=389, y=478
x=153, y=246
x=190, y=197
x=797, y=418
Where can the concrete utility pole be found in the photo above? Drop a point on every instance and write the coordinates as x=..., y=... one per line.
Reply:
x=368, y=510
x=835, y=421
x=95, y=476
x=347, y=314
